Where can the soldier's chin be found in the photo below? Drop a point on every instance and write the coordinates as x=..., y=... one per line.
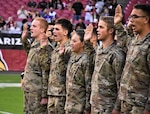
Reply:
x=72, y=49
x=32, y=35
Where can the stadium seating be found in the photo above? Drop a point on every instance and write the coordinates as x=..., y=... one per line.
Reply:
x=10, y=7
x=130, y=5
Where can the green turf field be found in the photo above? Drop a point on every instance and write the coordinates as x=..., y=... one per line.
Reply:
x=11, y=98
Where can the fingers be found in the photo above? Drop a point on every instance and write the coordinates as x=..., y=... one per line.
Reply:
x=118, y=9
x=24, y=34
x=25, y=27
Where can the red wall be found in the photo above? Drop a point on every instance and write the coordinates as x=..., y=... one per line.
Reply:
x=13, y=60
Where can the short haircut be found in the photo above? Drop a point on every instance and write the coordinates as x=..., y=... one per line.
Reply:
x=66, y=24
x=145, y=8
x=80, y=33
x=43, y=23
x=51, y=23
x=109, y=20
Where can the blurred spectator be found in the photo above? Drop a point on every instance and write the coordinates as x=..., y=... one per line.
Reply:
x=31, y=13
x=22, y=13
x=105, y=11
x=111, y=5
x=99, y=6
x=88, y=10
x=42, y=4
x=94, y=15
x=59, y=5
x=51, y=3
x=14, y=29
x=112, y=10
x=2, y=23
x=31, y=4
x=80, y=24
x=69, y=6
x=42, y=12
x=52, y=13
x=10, y=22
x=47, y=16
x=77, y=8
x=49, y=33
x=37, y=14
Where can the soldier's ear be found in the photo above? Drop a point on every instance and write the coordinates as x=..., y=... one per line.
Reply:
x=65, y=32
x=111, y=30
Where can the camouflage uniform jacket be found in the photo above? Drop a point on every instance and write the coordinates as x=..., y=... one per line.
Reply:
x=57, y=76
x=78, y=84
x=36, y=69
x=135, y=83
x=109, y=63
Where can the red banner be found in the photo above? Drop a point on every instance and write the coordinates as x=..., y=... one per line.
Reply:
x=12, y=55
x=12, y=60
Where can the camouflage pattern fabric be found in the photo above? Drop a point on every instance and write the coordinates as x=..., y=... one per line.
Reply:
x=104, y=111
x=32, y=104
x=36, y=70
x=135, y=83
x=130, y=109
x=36, y=75
x=109, y=63
x=57, y=77
x=78, y=84
x=123, y=37
x=56, y=104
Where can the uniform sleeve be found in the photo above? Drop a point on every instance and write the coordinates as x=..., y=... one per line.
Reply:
x=118, y=65
x=147, y=107
x=45, y=67
x=91, y=52
x=26, y=45
x=123, y=39
x=88, y=77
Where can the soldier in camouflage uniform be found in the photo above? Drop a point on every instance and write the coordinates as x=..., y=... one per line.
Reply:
x=78, y=77
x=109, y=63
x=135, y=84
x=57, y=76
x=36, y=72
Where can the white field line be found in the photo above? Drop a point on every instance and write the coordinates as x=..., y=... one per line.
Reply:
x=2, y=112
x=2, y=85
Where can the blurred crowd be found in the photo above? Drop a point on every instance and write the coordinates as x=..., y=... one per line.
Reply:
x=81, y=14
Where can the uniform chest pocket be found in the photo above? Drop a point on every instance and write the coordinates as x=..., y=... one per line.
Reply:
x=77, y=73
x=139, y=55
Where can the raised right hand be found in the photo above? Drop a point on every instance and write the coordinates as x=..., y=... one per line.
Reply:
x=24, y=34
x=88, y=32
x=118, y=15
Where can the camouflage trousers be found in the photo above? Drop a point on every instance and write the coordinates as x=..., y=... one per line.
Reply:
x=94, y=110
x=56, y=104
x=32, y=104
x=130, y=109
x=74, y=112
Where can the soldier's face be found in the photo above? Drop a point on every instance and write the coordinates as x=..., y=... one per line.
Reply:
x=102, y=31
x=35, y=29
x=76, y=44
x=58, y=33
x=49, y=31
x=137, y=20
